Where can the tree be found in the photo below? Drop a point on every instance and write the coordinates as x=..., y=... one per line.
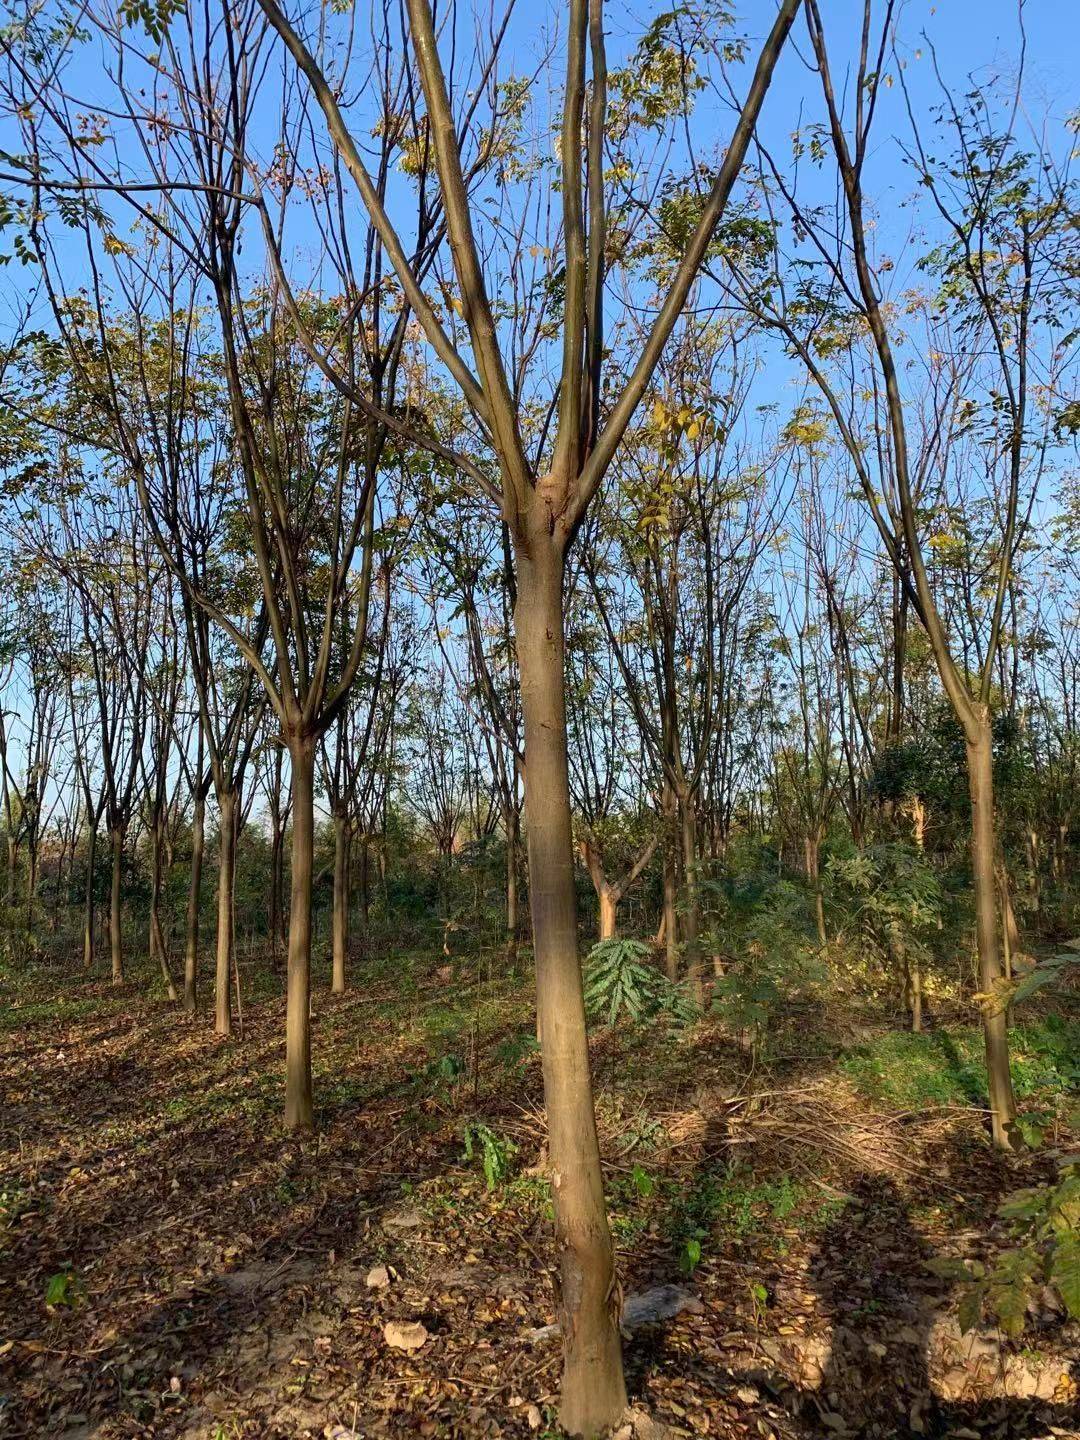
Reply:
x=1002, y=267
x=543, y=500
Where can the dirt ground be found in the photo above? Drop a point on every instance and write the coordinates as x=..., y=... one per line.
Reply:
x=173, y=1264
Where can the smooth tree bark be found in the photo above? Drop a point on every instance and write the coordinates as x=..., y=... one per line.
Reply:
x=89, y=897
x=299, y=1097
x=116, y=903
x=609, y=892
x=340, y=924
x=228, y=803
x=194, y=901
x=985, y=327
x=542, y=513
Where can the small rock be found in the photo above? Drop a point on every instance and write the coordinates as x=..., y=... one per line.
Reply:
x=651, y=1306
x=646, y=1428
x=533, y=1416
x=660, y=1303
x=378, y=1277
x=407, y=1218
x=405, y=1334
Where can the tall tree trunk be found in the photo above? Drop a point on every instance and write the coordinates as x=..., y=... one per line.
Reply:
x=12, y=863
x=157, y=935
x=277, y=847
x=511, y=884
x=609, y=905
x=593, y=1389
x=342, y=855
x=227, y=808
x=299, y=1107
x=31, y=882
x=691, y=918
x=980, y=762
x=88, y=898
x=812, y=854
x=1034, y=878
x=191, y=934
x=116, y=938
x=671, y=887
x=364, y=878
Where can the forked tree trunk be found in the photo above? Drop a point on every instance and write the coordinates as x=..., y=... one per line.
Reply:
x=116, y=938
x=88, y=899
x=342, y=856
x=593, y=1389
x=980, y=763
x=299, y=1107
x=227, y=808
x=191, y=932
x=610, y=892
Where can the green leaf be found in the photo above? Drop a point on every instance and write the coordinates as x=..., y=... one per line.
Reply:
x=1065, y=1270
x=60, y=1288
x=969, y=1312
x=644, y=1184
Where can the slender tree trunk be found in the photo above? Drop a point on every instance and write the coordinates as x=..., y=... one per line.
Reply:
x=983, y=847
x=365, y=877
x=277, y=846
x=157, y=935
x=609, y=905
x=12, y=862
x=917, y=811
x=299, y=1106
x=1034, y=879
x=916, y=996
x=191, y=938
x=691, y=919
x=31, y=882
x=593, y=1389
x=342, y=856
x=511, y=884
x=671, y=888
x=227, y=806
x=116, y=938
x=1010, y=930
x=88, y=899
x=812, y=854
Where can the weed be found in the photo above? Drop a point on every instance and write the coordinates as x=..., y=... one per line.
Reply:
x=912, y=1072
x=496, y=1151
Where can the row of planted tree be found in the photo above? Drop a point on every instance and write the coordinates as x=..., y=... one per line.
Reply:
x=372, y=440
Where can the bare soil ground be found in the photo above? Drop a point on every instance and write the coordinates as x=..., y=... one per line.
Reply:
x=214, y=1271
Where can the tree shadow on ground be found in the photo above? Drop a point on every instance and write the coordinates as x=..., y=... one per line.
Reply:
x=874, y=1377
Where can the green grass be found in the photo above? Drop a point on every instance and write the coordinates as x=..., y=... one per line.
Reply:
x=912, y=1072
x=59, y=1012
